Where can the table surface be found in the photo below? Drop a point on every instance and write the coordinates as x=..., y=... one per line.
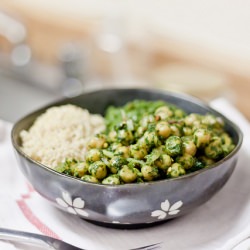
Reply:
x=26, y=210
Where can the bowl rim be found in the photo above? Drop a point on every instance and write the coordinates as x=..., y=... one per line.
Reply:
x=177, y=95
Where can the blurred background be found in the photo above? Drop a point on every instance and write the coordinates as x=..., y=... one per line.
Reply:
x=55, y=49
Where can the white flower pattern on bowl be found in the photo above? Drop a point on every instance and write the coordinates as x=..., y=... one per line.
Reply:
x=167, y=209
x=75, y=206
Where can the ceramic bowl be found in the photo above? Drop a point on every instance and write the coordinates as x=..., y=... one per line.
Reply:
x=128, y=205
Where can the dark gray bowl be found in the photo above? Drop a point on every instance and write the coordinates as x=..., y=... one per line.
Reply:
x=129, y=205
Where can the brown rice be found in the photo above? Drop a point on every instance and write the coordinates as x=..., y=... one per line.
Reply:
x=59, y=133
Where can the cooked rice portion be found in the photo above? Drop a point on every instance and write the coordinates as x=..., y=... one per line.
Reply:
x=59, y=133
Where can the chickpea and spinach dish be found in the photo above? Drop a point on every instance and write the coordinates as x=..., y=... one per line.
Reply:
x=148, y=141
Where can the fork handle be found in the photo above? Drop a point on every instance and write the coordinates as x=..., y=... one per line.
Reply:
x=24, y=237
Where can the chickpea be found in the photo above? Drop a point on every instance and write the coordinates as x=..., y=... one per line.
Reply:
x=206, y=161
x=97, y=142
x=188, y=147
x=142, y=143
x=187, y=131
x=178, y=113
x=98, y=169
x=186, y=160
x=146, y=120
x=112, y=136
x=191, y=119
x=175, y=170
x=175, y=130
x=212, y=121
x=164, y=112
x=71, y=164
x=125, y=136
x=127, y=174
x=226, y=139
x=93, y=155
x=115, y=146
x=174, y=145
x=112, y=180
x=149, y=139
x=89, y=178
x=149, y=173
x=227, y=148
x=138, y=152
x=201, y=137
x=122, y=151
x=67, y=167
x=197, y=124
x=164, y=162
x=214, y=149
x=163, y=129
x=116, y=164
x=140, y=131
x=81, y=169
x=61, y=168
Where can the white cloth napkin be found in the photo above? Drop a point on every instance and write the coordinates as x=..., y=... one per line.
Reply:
x=220, y=223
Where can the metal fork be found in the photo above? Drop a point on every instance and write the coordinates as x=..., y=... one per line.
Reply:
x=49, y=242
